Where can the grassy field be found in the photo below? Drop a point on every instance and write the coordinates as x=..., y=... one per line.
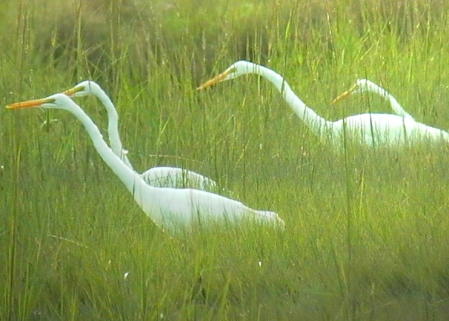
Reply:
x=367, y=232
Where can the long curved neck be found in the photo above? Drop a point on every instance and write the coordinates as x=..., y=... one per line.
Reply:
x=113, y=133
x=397, y=108
x=315, y=122
x=132, y=180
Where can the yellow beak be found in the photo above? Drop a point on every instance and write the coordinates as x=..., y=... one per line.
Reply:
x=29, y=103
x=72, y=91
x=347, y=93
x=342, y=96
x=215, y=80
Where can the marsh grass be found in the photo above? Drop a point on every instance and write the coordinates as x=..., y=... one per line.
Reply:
x=366, y=232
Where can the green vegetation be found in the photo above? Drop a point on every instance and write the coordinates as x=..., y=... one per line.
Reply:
x=367, y=234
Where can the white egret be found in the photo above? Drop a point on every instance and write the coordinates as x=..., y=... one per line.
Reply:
x=369, y=129
x=162, y=176
x=365, y=85
x=174, y=210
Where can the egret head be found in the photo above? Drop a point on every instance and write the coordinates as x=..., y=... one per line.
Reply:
x=360, y=86
x=237, y=69
x=363, y=85
x=57, y=101
x=84, y=88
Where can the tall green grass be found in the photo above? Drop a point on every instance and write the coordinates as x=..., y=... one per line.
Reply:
x=367, y=233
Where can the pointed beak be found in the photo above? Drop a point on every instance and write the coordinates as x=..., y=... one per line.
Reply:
x=215, y=80
x=344, y=95
x=29, y=104
x=72, y=91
